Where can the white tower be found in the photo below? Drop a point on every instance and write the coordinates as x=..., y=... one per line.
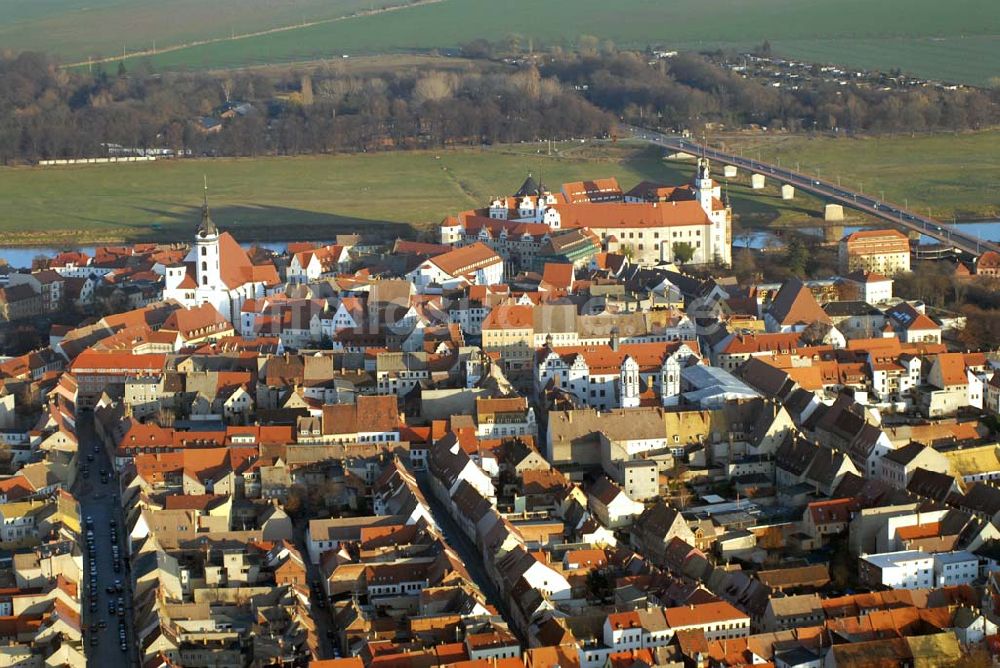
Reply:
x=207, y=249
x=629, y=379
x=703, y=185
x=670, y=381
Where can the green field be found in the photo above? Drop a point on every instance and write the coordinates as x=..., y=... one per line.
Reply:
x=75, y=30
x=963, y=59
x=408, y=193
x=952, y=176
x=957, y=40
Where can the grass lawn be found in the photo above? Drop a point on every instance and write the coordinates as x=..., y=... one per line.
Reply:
x=966, y=59
x=954, y=176
x=408, y=193
x=955, y=40
x=77, y=29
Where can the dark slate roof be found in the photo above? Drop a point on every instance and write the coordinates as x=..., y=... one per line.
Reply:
x=530, y=187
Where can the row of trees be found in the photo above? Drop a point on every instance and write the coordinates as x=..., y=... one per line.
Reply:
x=48, y=112
x=689, y=90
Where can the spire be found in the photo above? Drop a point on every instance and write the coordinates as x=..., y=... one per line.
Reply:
x=206, y=227
x=529, y=187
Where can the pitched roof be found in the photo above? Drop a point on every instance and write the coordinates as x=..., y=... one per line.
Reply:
x=378, y=413
x=795, y=304
x=197, y=321
x=632, y=215
x=907, y=318
x=702, y=613
x=760, y=342
x=592, y=191
x=510, y=316
x=952, y=368
x=236, y=269
x=465, y=259
x=557, y=275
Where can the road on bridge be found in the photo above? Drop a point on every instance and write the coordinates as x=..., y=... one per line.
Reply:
x=831, y=192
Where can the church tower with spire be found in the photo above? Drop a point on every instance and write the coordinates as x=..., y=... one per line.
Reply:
x=206, y=243
x=705, y=188
x=709, y=196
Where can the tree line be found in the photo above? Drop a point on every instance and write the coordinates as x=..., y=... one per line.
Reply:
x=47, y=112
x=499, y=94
x=689, y=91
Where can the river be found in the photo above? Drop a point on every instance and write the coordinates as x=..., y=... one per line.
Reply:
x=21, y=256
x=988, y=230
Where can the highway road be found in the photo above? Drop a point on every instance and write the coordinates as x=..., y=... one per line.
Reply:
x=99, y=502
x=831, y=192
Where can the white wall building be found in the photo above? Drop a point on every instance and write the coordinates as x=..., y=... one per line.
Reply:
x=909, y=569
x=218, y=272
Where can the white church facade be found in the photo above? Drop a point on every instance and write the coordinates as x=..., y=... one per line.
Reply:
x=219, y=272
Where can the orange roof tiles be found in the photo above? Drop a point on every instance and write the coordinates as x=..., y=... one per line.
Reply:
x=759, y=343
x=557, y=275
x=510, y=316
x=952, y=367
x=465, y=259
x=586, y=558
x=604, y=360
x=917, y=531
x=633, y=215
x=702, y=613
x=877, y=241
x=91, y=361
x=235, y=266
x=197, y=321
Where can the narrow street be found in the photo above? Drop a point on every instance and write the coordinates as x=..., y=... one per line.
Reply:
x=99, y=501
x=467, y=551
x=321, y=610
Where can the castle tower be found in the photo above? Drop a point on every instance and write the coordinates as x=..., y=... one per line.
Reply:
x=703, y=185
x=629, y=380
x=207, y=249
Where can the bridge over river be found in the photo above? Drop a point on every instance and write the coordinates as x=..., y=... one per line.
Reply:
x=832, y=193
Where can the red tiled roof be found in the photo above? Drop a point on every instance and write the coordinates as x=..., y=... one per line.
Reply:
x=878, y=241
x=235, y=266
x=703, y=613
x=91, y=361
x=510, y=316
x=557, y=275
x=602, y=359
x=632, y=215
x=197, y=321
x=466, y=259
